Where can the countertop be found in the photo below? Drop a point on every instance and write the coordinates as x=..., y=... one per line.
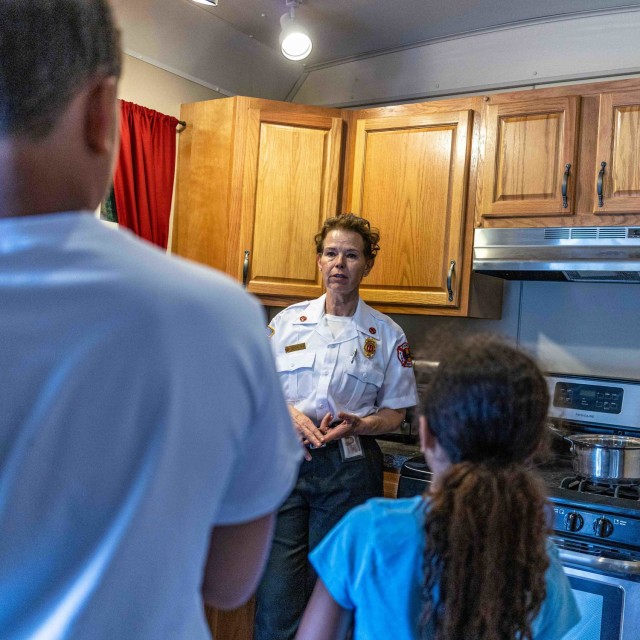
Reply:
x=395, y=454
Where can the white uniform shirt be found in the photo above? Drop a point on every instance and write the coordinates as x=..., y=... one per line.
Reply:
x=365, y=368
x=140, y=408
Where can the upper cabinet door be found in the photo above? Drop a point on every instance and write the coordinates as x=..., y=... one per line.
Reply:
x=530, y=155
x=289, y=187
x=617, y=172
x=410, y=178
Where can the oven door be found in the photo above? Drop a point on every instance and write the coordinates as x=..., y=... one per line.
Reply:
x=608, y=594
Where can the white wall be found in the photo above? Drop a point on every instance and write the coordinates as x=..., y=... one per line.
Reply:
x=595, y=46
x=150, y=86
x=579, y=328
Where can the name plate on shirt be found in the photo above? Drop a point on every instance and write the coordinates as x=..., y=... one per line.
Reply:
x=295, y=347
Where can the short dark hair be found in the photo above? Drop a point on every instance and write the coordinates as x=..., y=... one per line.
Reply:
x=350, y=222
x=48, y=48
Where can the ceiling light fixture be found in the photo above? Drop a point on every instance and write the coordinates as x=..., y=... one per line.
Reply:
x=295, y=42
x=211, y=3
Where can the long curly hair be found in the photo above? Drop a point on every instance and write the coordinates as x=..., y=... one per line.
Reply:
x=486, y=527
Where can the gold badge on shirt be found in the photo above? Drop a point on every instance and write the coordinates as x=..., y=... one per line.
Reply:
x=295, y=347
x=370, y=346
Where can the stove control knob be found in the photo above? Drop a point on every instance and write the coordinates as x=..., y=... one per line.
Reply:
x=573, y=521
x=603, y=528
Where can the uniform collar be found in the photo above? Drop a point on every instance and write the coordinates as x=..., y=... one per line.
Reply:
x=363, y=320
x=312, y=313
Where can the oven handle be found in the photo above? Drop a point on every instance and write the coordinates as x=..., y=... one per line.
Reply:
x=606, y=565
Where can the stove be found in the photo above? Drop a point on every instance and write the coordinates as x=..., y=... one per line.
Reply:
x=596, y=517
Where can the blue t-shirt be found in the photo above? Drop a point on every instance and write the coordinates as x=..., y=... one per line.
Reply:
x=371, y=561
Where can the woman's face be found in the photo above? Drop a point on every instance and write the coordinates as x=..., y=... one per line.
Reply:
x=342, y=261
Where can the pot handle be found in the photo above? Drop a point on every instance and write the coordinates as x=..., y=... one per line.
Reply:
x=562, y=435
x=559, y=433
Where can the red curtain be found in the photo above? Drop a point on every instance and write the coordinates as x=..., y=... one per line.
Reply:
x=143, y=180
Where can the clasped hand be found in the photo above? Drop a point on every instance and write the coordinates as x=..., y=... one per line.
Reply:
x=322, y=434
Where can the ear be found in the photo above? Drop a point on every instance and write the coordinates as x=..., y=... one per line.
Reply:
x=367, y=268
x=318, y=258
x=434, y=454
x=427, y=439
x=101, y=116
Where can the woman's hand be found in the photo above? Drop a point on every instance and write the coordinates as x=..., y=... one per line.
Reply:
x=347, y=427
x=310, y=434
x=383, y=421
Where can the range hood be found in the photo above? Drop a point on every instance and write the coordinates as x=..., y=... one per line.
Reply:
x=574, y=254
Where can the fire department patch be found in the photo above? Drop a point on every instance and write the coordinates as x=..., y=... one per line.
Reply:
x=369, y=349
x=404, y=355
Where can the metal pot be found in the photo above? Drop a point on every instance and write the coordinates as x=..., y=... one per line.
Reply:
x=606, y=458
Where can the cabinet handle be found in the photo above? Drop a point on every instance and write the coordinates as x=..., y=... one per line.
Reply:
x=600, y=179
x=245, y=269
x=452, y=268
x=565, y=179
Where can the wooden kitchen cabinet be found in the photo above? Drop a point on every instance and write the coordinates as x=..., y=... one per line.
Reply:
x=530, y=152
x=256, y=178
x=531, y=136
x=410, y=171
x=390, y=483
x=617, y=183
x=236, y=624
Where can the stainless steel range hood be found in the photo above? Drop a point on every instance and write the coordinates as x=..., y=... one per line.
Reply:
x=575, y=254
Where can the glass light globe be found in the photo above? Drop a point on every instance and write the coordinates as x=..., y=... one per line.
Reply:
x=296, y=45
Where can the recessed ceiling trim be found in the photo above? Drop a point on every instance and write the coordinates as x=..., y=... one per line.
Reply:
x=478, y=90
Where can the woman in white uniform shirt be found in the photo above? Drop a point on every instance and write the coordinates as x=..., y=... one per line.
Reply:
x=347, y=376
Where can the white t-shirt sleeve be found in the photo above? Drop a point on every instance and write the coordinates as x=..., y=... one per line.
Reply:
x=267, y=460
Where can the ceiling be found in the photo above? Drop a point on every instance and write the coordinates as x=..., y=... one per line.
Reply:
x=343, y=29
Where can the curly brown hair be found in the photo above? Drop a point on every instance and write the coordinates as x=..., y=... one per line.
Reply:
x=486, y=527
x=350, y=222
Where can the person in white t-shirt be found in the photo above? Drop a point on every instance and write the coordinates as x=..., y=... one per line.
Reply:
x=347, y=376
x=145, y=443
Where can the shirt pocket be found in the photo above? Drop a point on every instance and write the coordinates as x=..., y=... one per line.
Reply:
x=359, y=387
x=295, y=371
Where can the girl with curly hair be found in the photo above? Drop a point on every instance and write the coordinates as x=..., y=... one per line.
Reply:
x=471, y=560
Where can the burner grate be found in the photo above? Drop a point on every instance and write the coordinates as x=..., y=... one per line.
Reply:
x=628, y=491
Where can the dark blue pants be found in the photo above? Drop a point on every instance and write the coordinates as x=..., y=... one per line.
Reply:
x=326, y=489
